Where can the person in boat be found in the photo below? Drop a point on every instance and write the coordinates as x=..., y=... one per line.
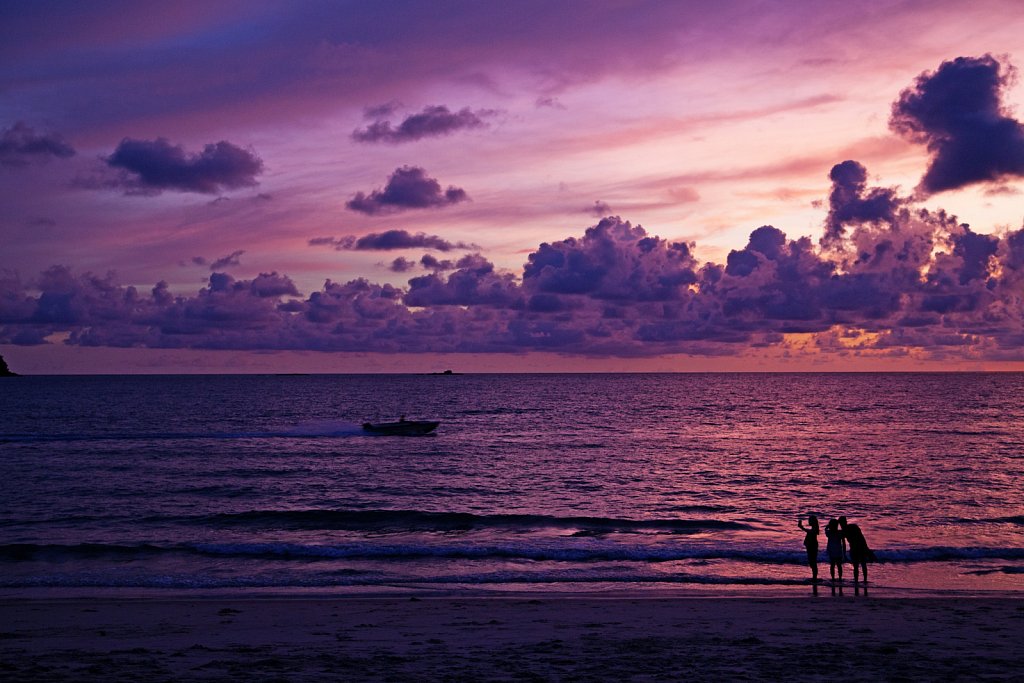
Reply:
x=811, y=543
x=836, y=549
x=860, y=553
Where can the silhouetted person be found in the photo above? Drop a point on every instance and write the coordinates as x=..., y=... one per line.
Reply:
x=836, y=549
x=860, y=554
x=811, y=543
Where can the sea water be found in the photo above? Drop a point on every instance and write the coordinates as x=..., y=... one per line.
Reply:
x=553, y=482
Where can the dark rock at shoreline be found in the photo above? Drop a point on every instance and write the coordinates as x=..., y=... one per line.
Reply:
x=4, y=370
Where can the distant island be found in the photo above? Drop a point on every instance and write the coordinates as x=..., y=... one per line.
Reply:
x=4, y=370
x=446, y=372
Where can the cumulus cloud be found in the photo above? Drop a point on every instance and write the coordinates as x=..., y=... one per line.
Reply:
x=20, y=144
x=152, y=166
x=390, y=240
x=409, y=187
x=433, y=121
x=957, y=112
x=231, y=259
x=271, y=284
x=613, y=260
x=431, y=262
x=476, y=283
x=401, y=265
x=850, y=202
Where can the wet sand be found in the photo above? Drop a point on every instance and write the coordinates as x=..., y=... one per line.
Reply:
x=521, y=637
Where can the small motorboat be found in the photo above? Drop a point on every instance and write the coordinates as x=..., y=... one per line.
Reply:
x=401, y=428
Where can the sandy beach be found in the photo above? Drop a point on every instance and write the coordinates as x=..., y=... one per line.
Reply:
x=521, y=637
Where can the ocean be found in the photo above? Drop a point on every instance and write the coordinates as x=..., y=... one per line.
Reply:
x=547, y=482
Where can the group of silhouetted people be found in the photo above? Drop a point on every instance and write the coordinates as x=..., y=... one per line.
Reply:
x=841, y=535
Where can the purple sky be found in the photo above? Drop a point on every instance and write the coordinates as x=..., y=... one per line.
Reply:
x=229, y=186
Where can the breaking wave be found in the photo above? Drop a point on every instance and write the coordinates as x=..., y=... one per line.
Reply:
x=553, y=550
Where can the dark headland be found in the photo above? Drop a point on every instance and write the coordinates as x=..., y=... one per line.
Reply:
x=4, y=370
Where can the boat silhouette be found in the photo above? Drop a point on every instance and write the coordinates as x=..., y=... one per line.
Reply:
x=401, y=428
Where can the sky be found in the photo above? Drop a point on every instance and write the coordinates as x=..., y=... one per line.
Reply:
x=225, y=186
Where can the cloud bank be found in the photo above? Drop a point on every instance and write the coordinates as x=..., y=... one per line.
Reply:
x=152, y=166
x=895, y=280
x=408, y=187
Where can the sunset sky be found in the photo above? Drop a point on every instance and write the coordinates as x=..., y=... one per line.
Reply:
x=411, y=186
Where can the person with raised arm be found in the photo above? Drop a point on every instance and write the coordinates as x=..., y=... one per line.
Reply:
x=811, y=543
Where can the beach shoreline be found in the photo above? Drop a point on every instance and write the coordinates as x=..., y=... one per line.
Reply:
x=534, y=636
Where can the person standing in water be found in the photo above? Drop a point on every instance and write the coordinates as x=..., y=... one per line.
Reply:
x=811, y=543
x=836, y=549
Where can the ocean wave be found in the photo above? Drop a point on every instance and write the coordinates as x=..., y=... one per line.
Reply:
x=58, y=552
x=572, y=550
x=418, y=520
x=586, y=551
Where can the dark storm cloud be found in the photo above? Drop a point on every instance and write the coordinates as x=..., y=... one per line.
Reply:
x=151, y=166
x=390, y=240
x=892, y=281
x=433, y=121
x=850, y=202
x=409, y=187
x=21, y=144
x=957, y=112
